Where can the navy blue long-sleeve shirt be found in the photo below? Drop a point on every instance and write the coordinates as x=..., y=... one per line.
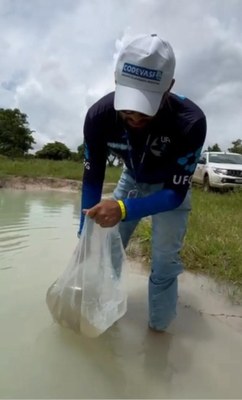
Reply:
x=176, y=136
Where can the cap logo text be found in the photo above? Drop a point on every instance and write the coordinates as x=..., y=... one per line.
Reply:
x=135, y=71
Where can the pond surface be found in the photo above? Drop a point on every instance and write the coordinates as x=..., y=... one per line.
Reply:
x=199, y=356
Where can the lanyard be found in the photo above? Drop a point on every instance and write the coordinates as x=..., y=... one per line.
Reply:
x=136, y=173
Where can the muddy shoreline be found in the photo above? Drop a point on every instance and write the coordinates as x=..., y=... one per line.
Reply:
x=48, y=183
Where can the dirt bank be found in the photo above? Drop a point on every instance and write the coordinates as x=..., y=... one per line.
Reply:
x=24, y=183
x=48, y=183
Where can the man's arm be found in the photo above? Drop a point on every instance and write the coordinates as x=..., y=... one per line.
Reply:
x=95, y=151
x=178, y=183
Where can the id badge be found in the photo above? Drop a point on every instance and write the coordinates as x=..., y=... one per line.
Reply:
x=133, y=194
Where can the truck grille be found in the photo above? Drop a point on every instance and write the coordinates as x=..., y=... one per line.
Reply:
x=234, y=172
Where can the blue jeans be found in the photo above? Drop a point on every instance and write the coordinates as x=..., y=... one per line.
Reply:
x=168, y=231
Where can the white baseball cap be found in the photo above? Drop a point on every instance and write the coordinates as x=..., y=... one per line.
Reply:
x=144, y=71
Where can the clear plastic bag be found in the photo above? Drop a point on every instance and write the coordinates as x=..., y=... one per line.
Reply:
x=91, y=293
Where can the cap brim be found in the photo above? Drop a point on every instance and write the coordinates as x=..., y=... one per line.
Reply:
x=143, y=101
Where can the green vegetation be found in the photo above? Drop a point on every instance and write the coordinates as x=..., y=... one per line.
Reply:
x=40, y=168
x=237, y=146
x=213, y=241
x=54, y=151
x=35, y=168
x=15, y=136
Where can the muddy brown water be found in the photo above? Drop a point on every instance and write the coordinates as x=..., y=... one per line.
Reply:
x=198, y=357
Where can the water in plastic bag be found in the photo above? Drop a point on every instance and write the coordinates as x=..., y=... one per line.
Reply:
x=91, y=293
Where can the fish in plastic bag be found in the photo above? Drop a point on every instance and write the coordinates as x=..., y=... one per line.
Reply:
x=91, y=293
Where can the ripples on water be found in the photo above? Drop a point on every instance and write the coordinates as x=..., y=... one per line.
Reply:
x=25, y=215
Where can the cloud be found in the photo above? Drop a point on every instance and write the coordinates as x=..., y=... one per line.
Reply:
x=58, y=59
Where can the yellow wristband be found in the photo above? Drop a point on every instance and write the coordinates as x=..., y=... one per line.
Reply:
x=122, y=208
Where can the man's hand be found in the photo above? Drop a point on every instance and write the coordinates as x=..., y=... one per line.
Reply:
x=107, y=213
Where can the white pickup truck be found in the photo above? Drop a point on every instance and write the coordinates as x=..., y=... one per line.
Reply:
x=220, y=170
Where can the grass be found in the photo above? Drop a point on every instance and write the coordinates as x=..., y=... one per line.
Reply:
x=213, y=241
x=36, y=168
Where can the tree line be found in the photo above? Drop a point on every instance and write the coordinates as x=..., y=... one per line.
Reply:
x=16, y=139
x=236, y=148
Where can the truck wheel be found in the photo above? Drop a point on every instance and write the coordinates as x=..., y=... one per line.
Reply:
x=206, y=184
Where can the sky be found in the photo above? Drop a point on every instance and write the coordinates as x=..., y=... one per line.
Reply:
x=57, y=58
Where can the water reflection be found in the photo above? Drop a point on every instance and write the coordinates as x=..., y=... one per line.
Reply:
x=14, y=234
x=23, y=212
